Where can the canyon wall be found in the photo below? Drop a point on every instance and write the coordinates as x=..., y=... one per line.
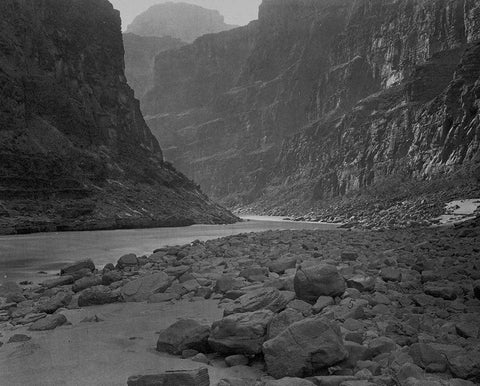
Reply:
x=75, y=152
x=323, y=98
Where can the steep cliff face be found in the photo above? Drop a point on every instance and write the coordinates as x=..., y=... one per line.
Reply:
x=322, y=99
x=75, y=152
x=178, y=20
x=140, y=53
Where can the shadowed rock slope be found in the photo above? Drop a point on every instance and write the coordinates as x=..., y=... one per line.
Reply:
x=178, y=20
x=75, y=152
x=322, y=99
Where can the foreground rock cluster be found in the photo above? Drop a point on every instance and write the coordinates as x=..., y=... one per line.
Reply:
x=305, y=307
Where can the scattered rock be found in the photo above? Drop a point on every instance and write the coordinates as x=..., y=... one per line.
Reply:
x=240, y=333
x=62, y=280
x=236, y=360
x=127, y=261
x=263, y=298
x=50, y=322
x=86, y=282
x=304, y=348
x=198, y=377
x=96, y=296
x=314, y=281
x=19, y=338
x=141, y=289
x=182, y=335
x=74, y=268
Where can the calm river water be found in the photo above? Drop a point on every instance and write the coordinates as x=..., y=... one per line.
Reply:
x=22, y=257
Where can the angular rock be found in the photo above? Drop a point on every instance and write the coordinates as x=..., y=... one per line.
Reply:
x=362, y=283
x=240, y=333
x=73, y=268
x=263, y=298
x=391, y=274
x=62, y=280
x=182, y=335
x=86, y=282
x=427, y=357
x=61, y=299
x=198, y=377
x=281, y=265
x=304, y=348
x=254, y=274
x=17, y=338
x=236, y=360
x=50, y=322
x=282, y=321
x=110, y=277
x=96, y=296
x=321, y=303
x=141, y=289
x=314, y=281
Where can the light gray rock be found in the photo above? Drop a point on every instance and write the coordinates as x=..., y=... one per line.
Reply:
x=182, y=335
x=141, y=289
x=314, y=281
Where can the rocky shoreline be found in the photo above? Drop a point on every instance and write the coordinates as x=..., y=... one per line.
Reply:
x=301, y=307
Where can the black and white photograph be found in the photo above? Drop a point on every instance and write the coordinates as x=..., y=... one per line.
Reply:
x=239, y=192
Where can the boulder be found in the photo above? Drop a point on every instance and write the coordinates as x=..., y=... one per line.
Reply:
x=110, y=277
x=240, y=333
x=465, y=365
x=50, y=322
x=253, y=274
x=289, y=382
x=141, y=289
x=126, y=261
x=321, y=303
x=182, y=335
x=86, y=282
x=362, y=283
x=281, y=265
x=304, y=348
x=283, y=320
x=18, y=338
x=236, y=360
x=426, y=357
x=57, y=282
x=262, y=298
x=96, y=296
x=74, y=268
x=197, y=377
x=314, y=281
x=61, y=299
x=391, y=274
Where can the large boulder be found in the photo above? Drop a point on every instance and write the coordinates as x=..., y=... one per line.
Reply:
x=240, y=333
x=98, y=295
x=182, y=335
x=74, y=268
x=283, y=320
x=141, y=289
x=127, y=261
x=58, y=281
x=197, y=377
x=314, y=281
x=50, y=305
x=289, y=382
x=50, y=322
x=304, y=348
x=263, y=298
x=282, y=264
x=86, y=282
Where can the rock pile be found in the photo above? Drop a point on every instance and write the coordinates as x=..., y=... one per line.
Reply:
x=306, y=307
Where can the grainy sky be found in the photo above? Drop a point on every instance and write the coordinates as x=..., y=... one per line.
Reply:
x=239, y=12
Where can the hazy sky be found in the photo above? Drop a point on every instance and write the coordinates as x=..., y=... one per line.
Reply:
x=235, y=11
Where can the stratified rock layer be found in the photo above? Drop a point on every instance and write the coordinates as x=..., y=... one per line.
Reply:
x=322, y=98
x=75, y=152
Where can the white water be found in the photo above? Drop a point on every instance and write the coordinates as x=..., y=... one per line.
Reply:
x=23, y=256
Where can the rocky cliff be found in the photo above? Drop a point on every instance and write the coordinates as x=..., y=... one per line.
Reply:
x=178, y=20
x=140, y=53
x=321, y=99
x=75, y=152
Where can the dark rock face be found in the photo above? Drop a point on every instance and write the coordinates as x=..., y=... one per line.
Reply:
x=321, y=98
x=140, y=53
x=178, y=20
x=75, y=152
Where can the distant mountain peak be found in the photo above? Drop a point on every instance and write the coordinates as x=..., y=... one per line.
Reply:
x=179, y=20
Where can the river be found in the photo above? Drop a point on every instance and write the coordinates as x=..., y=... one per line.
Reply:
x=22, y=257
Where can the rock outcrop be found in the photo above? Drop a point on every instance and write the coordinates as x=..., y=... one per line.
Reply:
x=320, y=99
x=75, y=152
x=179, y=20
x=140, y=53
